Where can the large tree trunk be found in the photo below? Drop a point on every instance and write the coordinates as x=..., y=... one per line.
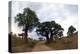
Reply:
x=47, y=38
x=26, y=35
x=51, y=37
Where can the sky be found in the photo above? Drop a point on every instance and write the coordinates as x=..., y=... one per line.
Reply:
x=64, y=14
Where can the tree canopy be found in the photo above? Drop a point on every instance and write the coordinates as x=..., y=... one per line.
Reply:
x=49, y=29
x=71, y=29
x=27, y=20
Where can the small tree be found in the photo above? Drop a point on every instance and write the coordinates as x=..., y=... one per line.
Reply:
x=71, y=29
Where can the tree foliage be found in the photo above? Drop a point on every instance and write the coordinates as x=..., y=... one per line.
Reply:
x=27, y=20
x=71, y=29
x=49, y=30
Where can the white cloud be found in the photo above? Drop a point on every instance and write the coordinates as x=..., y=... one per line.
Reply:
x=69, y=20
x=16, y=29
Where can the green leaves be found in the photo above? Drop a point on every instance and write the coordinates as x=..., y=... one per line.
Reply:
x=49, y=29
x=71, y=29
x=27, y=18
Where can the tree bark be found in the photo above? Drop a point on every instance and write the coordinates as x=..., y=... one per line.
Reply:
x=47, y=38
x=51, y=37
x=26, y=35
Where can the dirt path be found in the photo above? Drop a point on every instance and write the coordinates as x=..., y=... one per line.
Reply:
x=41, y=47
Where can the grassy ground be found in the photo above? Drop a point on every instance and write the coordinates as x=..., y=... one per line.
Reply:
x=19, y=45
x=65, y=43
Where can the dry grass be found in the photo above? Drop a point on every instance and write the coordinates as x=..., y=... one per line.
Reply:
x=65, y=43
x=19, y=45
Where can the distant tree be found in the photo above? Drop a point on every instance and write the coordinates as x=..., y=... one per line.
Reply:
x=27, y=20
x=71, y=29
x=48, y=29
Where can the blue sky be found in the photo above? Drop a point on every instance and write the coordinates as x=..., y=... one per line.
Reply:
x=64, y=14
